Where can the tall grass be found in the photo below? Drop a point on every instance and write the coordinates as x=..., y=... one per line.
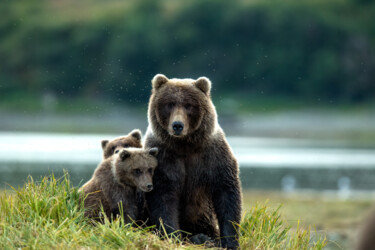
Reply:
x=47, y=214
x=263, y=228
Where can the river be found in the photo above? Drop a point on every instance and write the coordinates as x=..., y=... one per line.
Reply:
x=265, y=163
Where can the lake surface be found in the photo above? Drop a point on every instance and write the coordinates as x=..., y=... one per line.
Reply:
x=265, y=163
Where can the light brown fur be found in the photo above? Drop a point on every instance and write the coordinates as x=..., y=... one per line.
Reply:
x=110, y=147
x=122, y=177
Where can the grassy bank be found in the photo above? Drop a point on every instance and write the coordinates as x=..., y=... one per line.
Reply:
x=339, y=219
x=46, y=214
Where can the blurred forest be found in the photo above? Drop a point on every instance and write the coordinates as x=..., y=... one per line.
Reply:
x=305, y=50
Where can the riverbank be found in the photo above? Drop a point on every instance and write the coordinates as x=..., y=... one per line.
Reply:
x=353, y=126
x=325, y=212
x=47, y=214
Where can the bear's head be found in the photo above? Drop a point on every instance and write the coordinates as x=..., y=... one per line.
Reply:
x=181, y=108
x=133, y=139
x=135, y=167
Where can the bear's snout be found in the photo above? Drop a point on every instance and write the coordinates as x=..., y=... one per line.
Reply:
x=177, y=127
x=147, y=188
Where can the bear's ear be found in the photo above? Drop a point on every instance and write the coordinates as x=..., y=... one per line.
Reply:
x=153, y=151
x=159, y=80
x=204, y=84
x=124, y=154
x=137, y=134
x=104, y=143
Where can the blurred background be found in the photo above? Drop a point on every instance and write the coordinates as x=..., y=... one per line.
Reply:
x=293, y=84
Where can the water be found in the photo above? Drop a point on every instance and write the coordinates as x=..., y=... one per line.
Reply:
x=285, y=164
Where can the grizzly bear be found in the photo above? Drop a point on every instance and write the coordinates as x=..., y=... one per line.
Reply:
x=122, y=177
x=133, y=139
x=196, y=184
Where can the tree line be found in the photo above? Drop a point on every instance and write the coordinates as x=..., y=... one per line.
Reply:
x=111, y=49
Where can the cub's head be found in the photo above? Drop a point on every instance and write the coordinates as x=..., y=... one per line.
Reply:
x=135, y=167
x=133, y=139
x=179, y=106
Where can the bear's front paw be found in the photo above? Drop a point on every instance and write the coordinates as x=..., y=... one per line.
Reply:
x=229, y=243
x=115, y=212
x=200, y=239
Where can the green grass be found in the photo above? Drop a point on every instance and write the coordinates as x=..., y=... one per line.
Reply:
x=47, y=214
x=339, y=219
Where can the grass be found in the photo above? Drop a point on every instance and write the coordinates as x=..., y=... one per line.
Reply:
x=47, y=214
x=323, y=212
x=339, y=219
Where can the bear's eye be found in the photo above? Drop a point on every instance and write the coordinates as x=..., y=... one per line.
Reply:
x=137, y=171
x=126, y=145
x=150, y=170
x=113, y=148
x=188, y=107
x=170, y=105
x=116, y=151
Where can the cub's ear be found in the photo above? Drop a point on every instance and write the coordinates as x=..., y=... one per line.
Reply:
x=124, y=154
x=159, y=80
x=153, y=151
x=104, y=143
x=136, y=133
x=204, y=84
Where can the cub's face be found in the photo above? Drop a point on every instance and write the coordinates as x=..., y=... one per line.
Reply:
x=133, y=139
x=180, y=104
x=135, y=167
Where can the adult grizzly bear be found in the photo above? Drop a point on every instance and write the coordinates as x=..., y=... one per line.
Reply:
x=196, y=184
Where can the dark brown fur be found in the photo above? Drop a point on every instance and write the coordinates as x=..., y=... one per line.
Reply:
x=197, y=187
x=122, y=177
x=133, y=139
x=367, y=233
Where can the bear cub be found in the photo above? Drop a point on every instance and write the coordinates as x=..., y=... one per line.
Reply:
x=123, y=177
x=133, y=139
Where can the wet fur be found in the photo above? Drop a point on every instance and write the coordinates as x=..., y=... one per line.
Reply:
x=196, y=184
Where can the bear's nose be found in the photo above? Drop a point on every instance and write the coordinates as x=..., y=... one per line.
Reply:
x=177, y=127
x=149, y=187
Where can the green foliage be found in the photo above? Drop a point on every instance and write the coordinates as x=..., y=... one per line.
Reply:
x=305, y=49
x=263, y=228
x=47, y=214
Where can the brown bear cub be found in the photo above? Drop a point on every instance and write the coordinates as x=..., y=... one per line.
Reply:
x=133, y=139
x=123, y=177
x=196, y=184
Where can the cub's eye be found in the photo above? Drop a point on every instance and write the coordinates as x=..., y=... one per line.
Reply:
x=113, y=148
x=150, y=170
x=126, y=145
x=117, y=151
x=137, y=171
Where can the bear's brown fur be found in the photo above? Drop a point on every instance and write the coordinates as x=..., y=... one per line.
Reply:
x=196, y=185
x=367, y=233
x=122, y=177
x=133, y=139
